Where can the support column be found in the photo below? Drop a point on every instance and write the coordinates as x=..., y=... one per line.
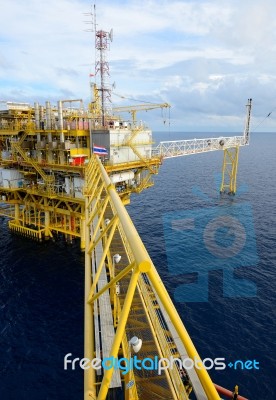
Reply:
x=16, y=213
x=229, y=170
x=41, y=118
x=37, y=116
x=41, y=153
x=47, y=224
x=119, y=333
x=82, y=232
x=89, y=374
x=46, y=219
x=49, y=127
x=37, y=127
x=60, y=127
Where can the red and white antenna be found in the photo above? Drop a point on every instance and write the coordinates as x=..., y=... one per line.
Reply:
x=102, y=46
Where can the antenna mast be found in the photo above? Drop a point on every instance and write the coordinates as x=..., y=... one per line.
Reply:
x=247, y=122
x=102, y=45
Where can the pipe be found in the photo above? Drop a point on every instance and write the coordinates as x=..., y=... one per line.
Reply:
x=73, y=101
x=41, y=117
x=89, y=375
x=48, y=116
x=60, y=121
x=247, y=122
x=37, y=119
x=225, y=392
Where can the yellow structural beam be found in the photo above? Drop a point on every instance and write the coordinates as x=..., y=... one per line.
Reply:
x=121, y=327
x=101, y=264
x=118, y=277
x=143, y=264
x=230, y=170
x=89, y=375
x=141, y=255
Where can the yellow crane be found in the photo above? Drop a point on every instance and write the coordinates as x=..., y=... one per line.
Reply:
x=139, y=107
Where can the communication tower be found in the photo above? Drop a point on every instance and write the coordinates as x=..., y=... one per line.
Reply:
x=102, y=46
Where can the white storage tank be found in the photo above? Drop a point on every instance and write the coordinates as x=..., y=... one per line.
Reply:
x=12, y=178
x=68, y=185
x=78, y=187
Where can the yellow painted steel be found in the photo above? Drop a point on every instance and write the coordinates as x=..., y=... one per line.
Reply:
x=42, y=205
x=101, y=264
x=123, y=273
x=24, y=231
x=89, y=375
x=119, y=333
x=80, y=151
x=229, y=170
x=42, y=152
x=32, y=153
x=131, y=393
x=161, y=342
x=141, y=255
x=48, y=179
x=143, y=265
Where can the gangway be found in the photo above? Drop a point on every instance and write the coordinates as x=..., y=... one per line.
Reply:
x=138, y=302
x=229, y=144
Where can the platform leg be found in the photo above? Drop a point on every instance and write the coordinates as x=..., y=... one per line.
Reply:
x=229, y=170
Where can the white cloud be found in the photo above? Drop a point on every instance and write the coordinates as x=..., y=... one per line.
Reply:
x=205, y=57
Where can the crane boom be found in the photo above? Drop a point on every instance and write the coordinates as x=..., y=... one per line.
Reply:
x=139, y=107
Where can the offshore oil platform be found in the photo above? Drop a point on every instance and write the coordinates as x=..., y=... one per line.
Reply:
x=67, y=169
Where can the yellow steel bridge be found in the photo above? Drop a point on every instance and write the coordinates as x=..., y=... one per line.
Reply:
x=128, y=299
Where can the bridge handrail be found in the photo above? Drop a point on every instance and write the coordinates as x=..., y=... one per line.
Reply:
x=141, y=258
x=176, y=148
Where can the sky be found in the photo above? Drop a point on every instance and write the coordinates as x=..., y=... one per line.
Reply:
x=204, y=57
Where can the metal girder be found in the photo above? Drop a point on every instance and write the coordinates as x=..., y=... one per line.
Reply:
x=139, y=107
x=136, y=266
x=229, y=170
x=178, y=148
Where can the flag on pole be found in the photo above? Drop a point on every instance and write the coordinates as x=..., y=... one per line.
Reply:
x=99, y=150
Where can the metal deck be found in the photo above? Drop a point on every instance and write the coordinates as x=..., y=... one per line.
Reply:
x=103, y=319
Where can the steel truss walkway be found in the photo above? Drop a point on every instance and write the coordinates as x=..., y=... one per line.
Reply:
x=230, y=146
x=125, y=297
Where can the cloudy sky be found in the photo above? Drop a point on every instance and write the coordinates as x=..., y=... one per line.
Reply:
x=205, y=58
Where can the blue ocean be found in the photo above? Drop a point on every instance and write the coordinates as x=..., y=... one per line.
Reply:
x=231, y=316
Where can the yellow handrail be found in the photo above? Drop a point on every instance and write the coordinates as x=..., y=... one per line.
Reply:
x=143, y=264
